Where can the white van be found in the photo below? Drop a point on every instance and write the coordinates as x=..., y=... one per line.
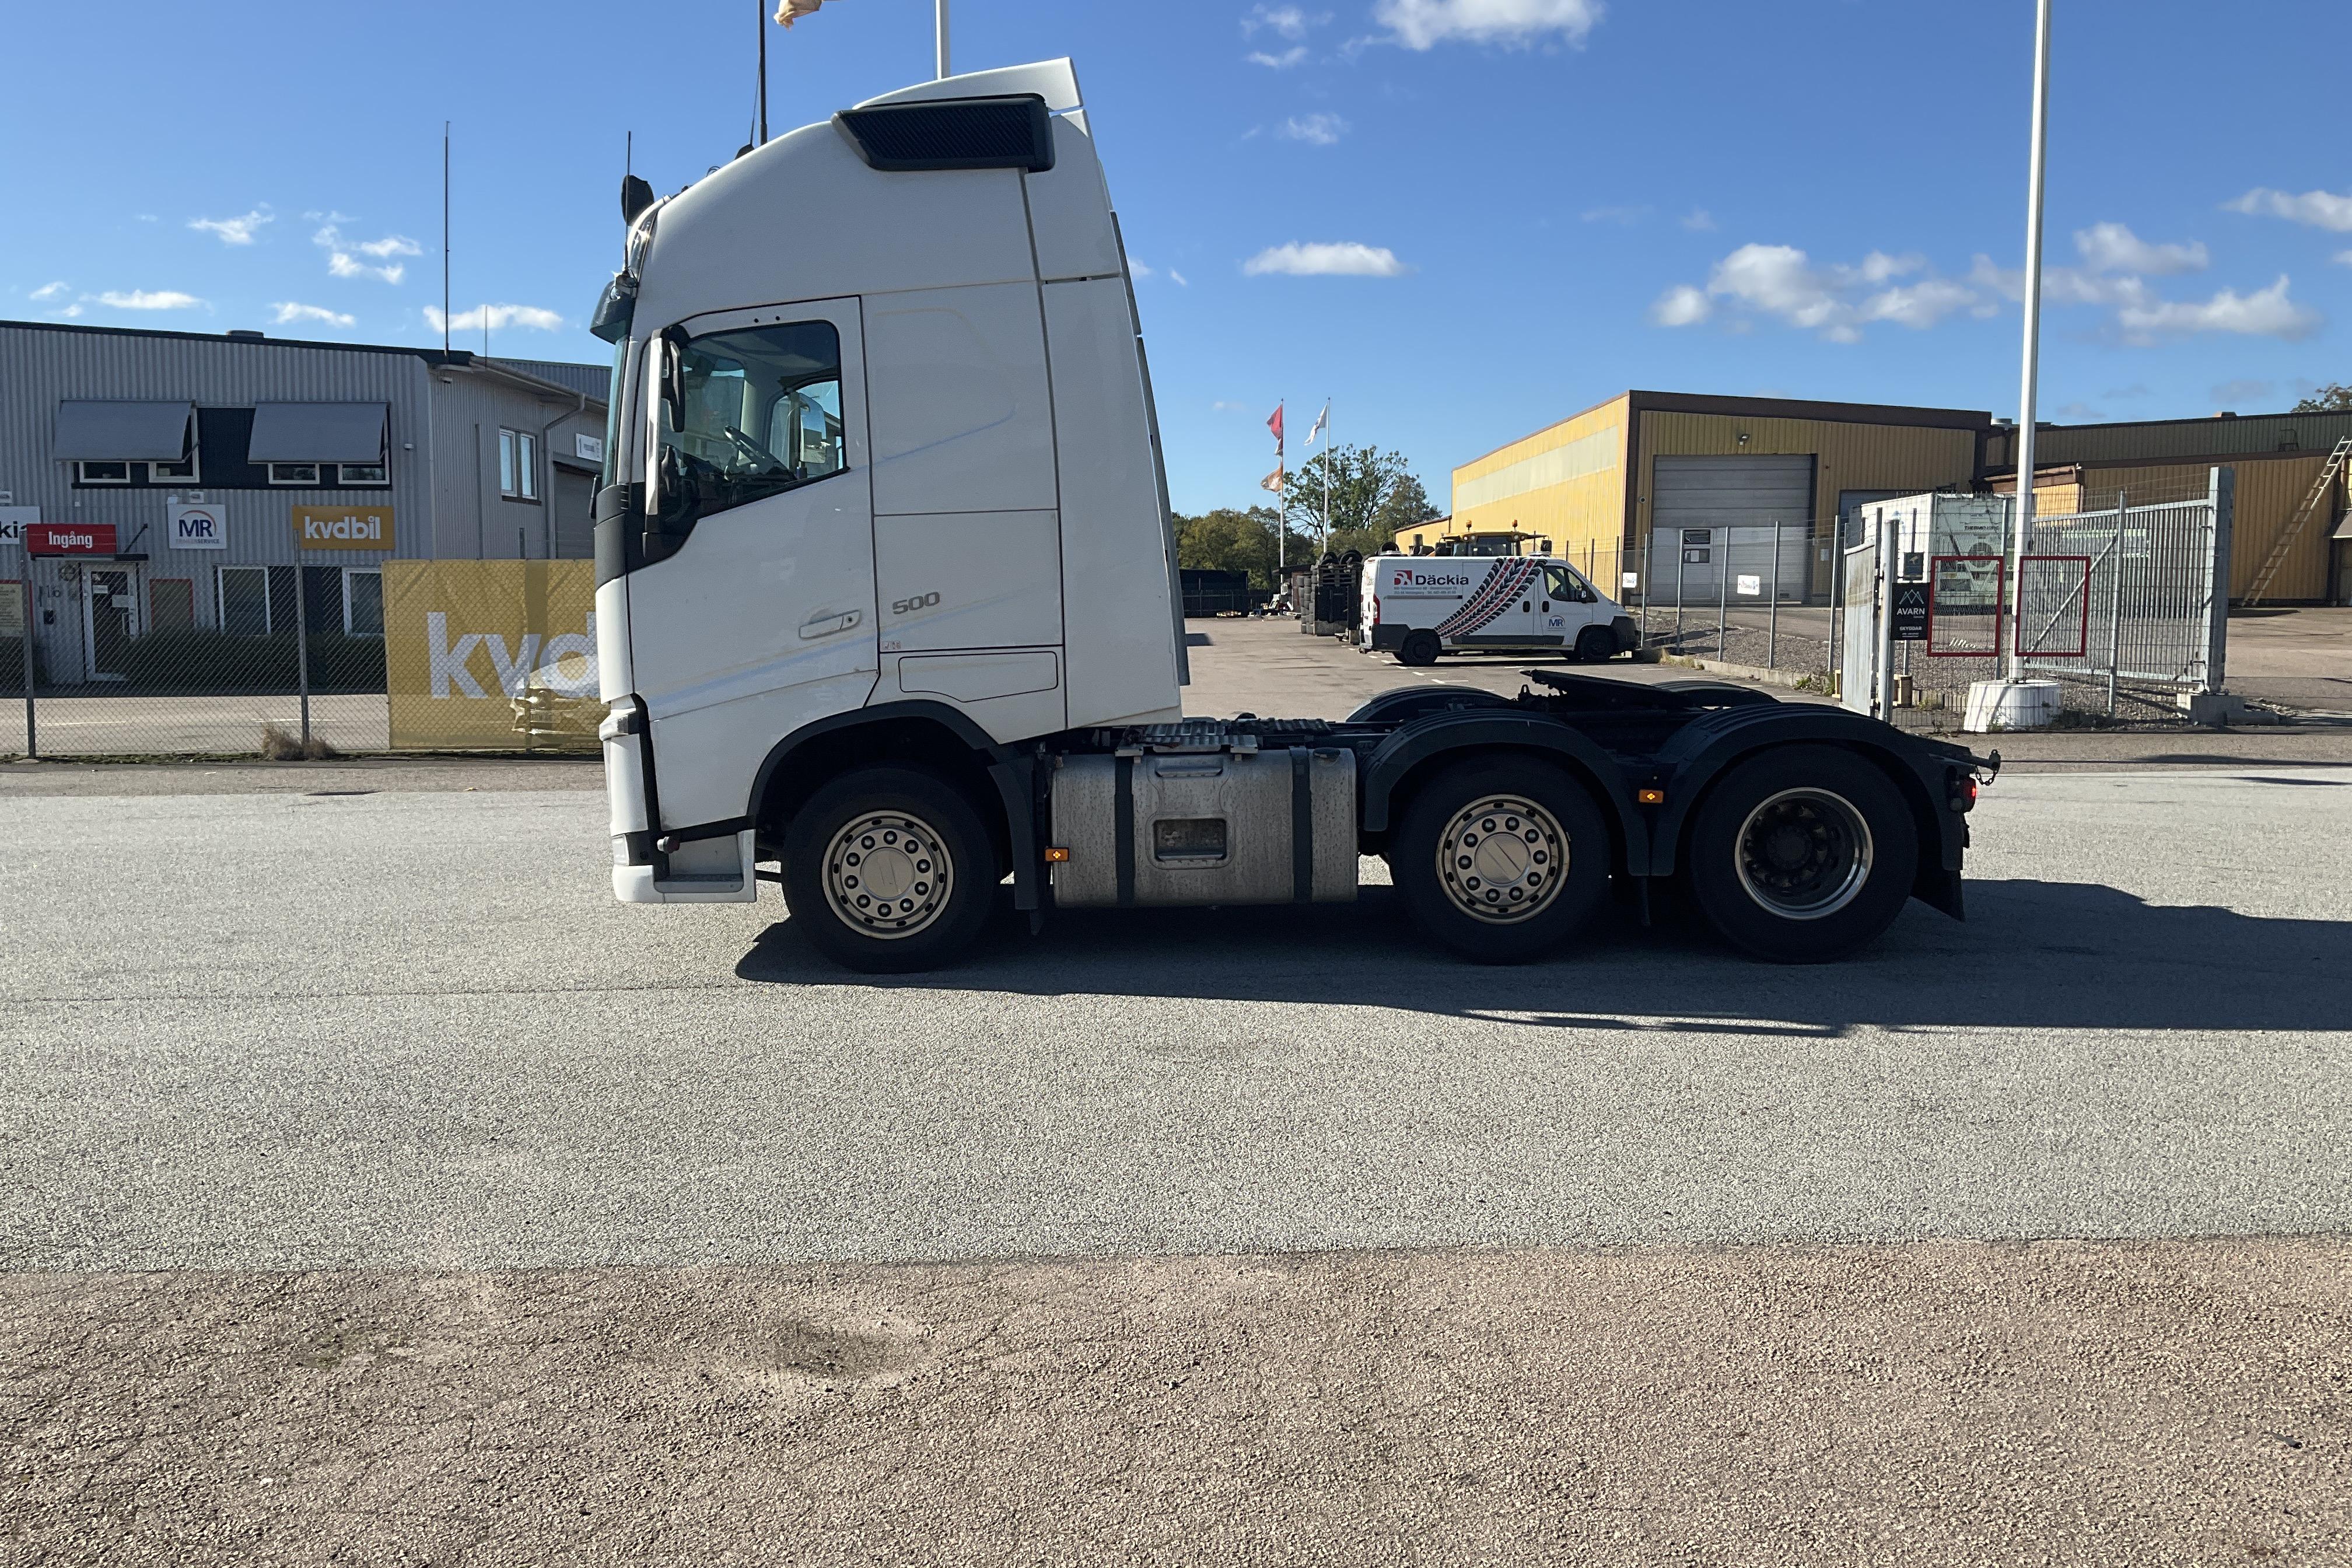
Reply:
x=1418, y=606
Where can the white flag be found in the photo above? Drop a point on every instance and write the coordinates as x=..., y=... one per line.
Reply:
x=788, y=11
x=1320, y=419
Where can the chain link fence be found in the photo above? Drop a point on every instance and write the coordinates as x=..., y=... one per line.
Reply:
x=305, y=660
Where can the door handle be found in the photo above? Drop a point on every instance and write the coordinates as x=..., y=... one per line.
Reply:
x=829, y=623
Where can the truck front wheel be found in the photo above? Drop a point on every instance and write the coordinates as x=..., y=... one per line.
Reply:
x=1501, y=858
x=1802, y=855
x=889, y=869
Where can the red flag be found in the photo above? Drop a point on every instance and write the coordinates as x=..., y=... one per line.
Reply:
x=1274, y=424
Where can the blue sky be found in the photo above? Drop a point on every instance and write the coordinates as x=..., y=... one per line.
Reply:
x=1460, y=220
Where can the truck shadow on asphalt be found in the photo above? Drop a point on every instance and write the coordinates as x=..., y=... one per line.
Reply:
x=2031, y=955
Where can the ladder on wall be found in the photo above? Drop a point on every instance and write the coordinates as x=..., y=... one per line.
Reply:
x=2312, y=503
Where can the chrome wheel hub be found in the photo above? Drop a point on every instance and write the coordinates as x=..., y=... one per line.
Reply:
x=1502, y=859
x=1803, y=854
x=888, y=874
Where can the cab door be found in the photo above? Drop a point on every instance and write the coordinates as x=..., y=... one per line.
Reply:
x=763, y=618
x=1570, y=604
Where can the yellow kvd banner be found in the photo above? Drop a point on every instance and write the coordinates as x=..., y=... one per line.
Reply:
x=491, y=654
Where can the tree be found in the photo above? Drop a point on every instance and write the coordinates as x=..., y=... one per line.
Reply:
x=1228, y=540
x=1373, y=494
x=2334, y=398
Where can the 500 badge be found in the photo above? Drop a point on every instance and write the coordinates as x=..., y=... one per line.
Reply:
x=908, y=607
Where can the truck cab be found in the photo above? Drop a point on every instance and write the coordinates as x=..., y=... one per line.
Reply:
x=888, y=612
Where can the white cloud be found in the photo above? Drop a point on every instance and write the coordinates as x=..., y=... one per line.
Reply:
x=342, y=262
x=1625, y=216
x=2320, y=209
x=1423, y=23
x=50, y=290
x=1682, y=306
x=1221, y=406
x=500, y=318
x=2112, y=247
x=2077, y=414
x=1283, y=61
x=1179, y=278
x=1837, y=301
x=288, y=311
x=2264, y=313
x=1284, y=21
x=1699, y=221
x=2243, y=391
x=234, y=230
x=2342, y=258
x=1322, y=130
x=144, y=300
x=1137, y=267
x=1346, y=258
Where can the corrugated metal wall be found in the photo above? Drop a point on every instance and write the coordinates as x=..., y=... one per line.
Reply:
x=2250, y=434
x=444, y=505
x=2268, y=492
x=1901, y=457
x=1585, y=508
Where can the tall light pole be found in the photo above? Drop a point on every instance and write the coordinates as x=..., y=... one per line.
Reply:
x=2027, y=386
x=943, y=5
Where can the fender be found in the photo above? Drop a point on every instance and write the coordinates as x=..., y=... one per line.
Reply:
x=1013, y=773
x=1702, y=749
x=1471, y=728
x=1412, y=701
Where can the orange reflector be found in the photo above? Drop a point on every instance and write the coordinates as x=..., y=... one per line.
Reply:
x=1057, y=855
x=1651, y=797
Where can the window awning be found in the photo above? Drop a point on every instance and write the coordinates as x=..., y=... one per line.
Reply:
x=317, y=433
x=116, y=432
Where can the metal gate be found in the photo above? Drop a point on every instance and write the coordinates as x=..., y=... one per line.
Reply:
x=2124, y=606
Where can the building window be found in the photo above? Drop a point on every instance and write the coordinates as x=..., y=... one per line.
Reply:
x=361, y=474
x=245, y=601
x=294, y=474
x=183, y=471
x=172, y=604
x=102, y=473
x=363, y=602
x=517, y=465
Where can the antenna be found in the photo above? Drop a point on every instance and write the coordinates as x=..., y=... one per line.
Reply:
x=445, y=237
x=759, y=19
x=628, y=167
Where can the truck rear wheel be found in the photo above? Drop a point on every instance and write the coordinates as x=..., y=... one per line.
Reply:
x=1802, y=855
x=1421, y=647
x=890, y=869
x=1596, y=645
x=1500, y=858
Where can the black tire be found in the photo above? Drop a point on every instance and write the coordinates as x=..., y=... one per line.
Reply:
x=944, y=871
x=1418, y=649
x=1563, y=899
x=1596, y=645
x=1801, y=854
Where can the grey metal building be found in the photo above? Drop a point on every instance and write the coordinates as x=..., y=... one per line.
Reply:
x=213, y=482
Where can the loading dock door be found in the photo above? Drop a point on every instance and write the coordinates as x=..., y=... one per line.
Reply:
x=1695, y=501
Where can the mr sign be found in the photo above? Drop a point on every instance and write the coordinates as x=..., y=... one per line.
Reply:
x=199, y=528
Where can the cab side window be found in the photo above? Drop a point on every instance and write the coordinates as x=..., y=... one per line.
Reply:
x=746, y=415
x=1563, y=583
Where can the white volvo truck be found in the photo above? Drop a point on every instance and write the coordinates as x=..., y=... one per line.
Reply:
x=886, y=600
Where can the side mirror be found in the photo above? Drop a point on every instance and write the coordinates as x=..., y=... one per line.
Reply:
x=673, y=374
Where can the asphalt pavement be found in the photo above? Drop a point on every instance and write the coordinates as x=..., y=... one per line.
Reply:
x=374, y=1188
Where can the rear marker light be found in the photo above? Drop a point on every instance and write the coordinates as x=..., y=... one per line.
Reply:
x=1057, y=855
x=1651, y=797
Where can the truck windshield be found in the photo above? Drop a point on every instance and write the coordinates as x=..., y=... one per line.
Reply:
x=749, y=414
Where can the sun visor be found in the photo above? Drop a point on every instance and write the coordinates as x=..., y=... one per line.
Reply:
x=122, y=431
x=317, y=433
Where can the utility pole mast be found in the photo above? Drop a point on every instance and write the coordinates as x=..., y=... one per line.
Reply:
x=942, y=29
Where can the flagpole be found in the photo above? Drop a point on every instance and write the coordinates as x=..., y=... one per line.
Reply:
x=1326, y=423
x=942, y=25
